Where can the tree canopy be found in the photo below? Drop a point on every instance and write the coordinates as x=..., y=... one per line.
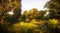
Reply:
x=54, y=8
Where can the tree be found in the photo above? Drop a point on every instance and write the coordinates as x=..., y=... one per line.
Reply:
x=6, y=18
x=33, y=13
x=54, y=8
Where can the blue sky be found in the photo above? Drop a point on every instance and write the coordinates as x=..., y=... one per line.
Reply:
x=29, y=4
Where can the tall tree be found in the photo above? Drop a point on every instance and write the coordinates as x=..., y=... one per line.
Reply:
x=54, y=8
x=7, y=6
x=10, y=5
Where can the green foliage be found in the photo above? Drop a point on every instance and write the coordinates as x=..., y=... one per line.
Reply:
x=34, y=14
x=32, y=21
x=54, y=8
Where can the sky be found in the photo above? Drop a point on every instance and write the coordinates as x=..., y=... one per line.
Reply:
x=29, y=4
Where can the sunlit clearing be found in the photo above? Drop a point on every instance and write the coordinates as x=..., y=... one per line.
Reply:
x=10, y=12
